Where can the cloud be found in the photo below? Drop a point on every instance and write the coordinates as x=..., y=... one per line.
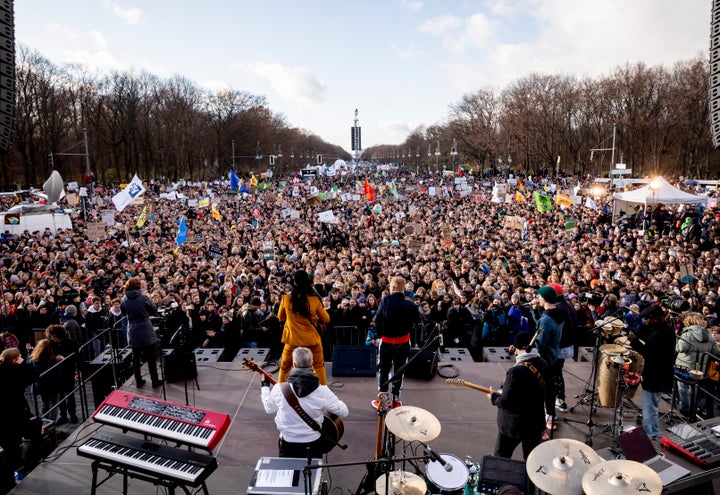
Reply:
x=93, y=38
x=292, y=83
x=130, y=15
x=408, y=53
x=411, y=5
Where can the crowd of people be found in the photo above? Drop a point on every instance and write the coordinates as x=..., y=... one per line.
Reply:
x=476, y=269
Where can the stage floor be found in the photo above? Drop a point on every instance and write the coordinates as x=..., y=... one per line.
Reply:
x=466, y=416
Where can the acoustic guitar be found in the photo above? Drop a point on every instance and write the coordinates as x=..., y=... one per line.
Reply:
x=377, y=469
x=462, y=383
x=332, y=428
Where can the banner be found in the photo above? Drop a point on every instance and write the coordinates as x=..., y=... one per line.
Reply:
x=129, y=194
x=234, y=180
x=141, y=221
x=542, y=202
x=563, y=200
x=182, y=233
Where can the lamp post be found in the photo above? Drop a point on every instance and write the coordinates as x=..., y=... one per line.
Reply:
x=258, y=155
x=453, y=153
x=437, y=156
x=233, y=153
x=292, y=157
x=654, y=187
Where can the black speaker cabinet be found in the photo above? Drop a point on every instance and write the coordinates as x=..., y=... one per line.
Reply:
x=424, y=366
x=354, y=360
x=180, y=365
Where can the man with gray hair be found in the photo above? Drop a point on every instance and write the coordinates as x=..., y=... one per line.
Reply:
x=297, y=438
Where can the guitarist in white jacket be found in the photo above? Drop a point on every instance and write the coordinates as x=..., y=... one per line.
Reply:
x=296, y=436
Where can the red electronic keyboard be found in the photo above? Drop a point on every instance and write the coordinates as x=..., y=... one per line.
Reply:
x=159, y=418
x=699, y=441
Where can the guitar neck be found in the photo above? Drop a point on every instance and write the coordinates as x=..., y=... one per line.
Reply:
x=472, y=385
x=253, y=366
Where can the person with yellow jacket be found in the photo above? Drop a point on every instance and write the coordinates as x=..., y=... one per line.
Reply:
x=302, y=310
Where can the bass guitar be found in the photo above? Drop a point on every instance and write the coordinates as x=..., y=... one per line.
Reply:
x=462, y=383
x=332, y=428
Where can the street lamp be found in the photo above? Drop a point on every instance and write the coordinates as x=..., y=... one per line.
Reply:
x=654, y=187
x=453, y=152
x=233, y=154
x=437, y=156
x=429, y=155
x=292, y=157
x=258, y=155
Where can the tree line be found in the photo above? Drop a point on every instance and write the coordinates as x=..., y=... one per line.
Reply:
x=136, y=122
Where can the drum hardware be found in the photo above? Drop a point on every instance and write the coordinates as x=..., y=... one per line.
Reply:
x=400, y=483
x=621, y=477
x=558, y=466
x=602, y=329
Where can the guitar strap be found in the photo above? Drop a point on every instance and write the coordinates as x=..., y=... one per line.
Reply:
x=292, y=400
x=535, y=372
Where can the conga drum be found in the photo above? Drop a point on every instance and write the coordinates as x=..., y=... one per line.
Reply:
x=613, y=358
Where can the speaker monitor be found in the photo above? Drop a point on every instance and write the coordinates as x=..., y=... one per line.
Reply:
x=354, y=360
x=422, y=367
x=179, y=365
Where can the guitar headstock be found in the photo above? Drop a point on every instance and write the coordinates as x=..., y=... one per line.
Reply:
x=384, y=403
x=251, y=365
x=455, y=381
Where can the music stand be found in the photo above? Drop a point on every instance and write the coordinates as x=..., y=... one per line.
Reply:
x=178, y=344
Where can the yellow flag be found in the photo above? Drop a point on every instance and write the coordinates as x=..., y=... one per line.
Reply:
x=519, y=197
x=563, y=200
x=215, y=213
x=253, y=180
x=141, y=221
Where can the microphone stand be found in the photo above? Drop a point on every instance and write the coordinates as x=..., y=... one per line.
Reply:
x=589, y=397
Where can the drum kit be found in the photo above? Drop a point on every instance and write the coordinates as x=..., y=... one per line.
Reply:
x=564, y=466
x=445, y=473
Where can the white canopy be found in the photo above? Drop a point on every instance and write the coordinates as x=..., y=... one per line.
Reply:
x=662, y=192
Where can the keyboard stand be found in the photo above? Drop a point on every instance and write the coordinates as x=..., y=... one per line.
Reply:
x=126, y=472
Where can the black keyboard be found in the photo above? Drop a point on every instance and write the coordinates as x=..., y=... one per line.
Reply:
x=190, y=468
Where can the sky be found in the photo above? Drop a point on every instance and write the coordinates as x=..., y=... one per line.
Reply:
x=400, y=63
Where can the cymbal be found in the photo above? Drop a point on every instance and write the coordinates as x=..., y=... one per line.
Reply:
x=412, y=423
x=557, y=466
x=401, y=483
x=621, y=477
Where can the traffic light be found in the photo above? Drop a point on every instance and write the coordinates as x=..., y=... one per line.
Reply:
x=272, y=159
x=319, y=159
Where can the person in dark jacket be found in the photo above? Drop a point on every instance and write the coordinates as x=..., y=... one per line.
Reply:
x=655, y=341
x=47, y=386
x=15, y=377
x=393, y=322
x=138, y=308
x=66, y=350
x=567, y=346
x=526, y=395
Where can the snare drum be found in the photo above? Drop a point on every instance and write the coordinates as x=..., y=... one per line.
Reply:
x=613, y=358
x=447, y=482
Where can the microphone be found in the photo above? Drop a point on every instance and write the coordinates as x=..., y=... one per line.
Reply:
x=532, y=342
x=436, y=457
x=442, y=344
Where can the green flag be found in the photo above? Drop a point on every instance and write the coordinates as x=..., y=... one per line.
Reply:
x=542, y=201
x=569, y=223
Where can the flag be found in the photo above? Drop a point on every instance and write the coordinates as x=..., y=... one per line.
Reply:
x=569, y=223
x=253, y=180
x=141, y=221
x=234, y=180
x=589, y=203
x=393, y=189
x=182, y=232
x=369, y=191
x=420, y=188
x=563, y=199
x=215, y=213
x=460, y=172
x=127, y=195
x=519, y=197
x=243, y=188
x=542, y=202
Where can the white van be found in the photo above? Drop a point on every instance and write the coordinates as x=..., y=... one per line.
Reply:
x=20, y=218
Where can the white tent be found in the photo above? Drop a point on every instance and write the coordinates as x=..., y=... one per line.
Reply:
x=659, y=191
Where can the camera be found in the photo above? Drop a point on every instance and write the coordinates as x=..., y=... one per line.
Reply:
x=675, y=304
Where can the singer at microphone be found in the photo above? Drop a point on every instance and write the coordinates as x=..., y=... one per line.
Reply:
x=526, y=392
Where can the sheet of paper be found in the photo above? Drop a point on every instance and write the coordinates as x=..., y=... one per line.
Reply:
x=278, y=478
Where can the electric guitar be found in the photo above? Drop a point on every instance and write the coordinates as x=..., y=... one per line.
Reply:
x=332, y=428
x=462, y=383
x=377, y=469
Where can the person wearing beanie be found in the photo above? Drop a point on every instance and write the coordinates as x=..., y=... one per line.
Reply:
x=568, y=343
x=526, y=395
x=549, y=331
x=138, y=308
x=303, y=312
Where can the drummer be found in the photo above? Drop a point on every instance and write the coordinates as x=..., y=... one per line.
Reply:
x=526, y=393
